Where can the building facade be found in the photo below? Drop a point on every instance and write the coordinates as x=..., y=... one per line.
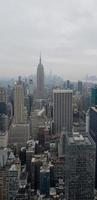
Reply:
x=62, y=110
x=79, y=167
x=93, y=132
x=40, y=80
x=19, y=104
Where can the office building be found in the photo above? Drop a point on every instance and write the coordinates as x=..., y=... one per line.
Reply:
x=3, y=95
x=19, y=104
x=3, y=156
x=3, y=118
x=87, y=121
x=37, y=119
x=93, y=132
x=40, y=80
x=13, y=182
x=3, y=174
x=3, y=123
x=68, y=84
x=4, y=183
x=35, y=173
x=94, y=96
x=4, y=139
x=30, y=89
x=79, y=167
x=3, y=108
x=80, y=87
x=19, y=134
x=62, y=110
x=45, y=181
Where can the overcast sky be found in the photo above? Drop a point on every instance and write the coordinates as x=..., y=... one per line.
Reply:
x=65, y=31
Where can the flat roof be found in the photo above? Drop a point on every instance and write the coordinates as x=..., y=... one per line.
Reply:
x=62, y=91
x=79, y=139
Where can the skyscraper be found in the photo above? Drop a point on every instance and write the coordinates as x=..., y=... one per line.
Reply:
x=62, y=110
x=44, y=180
x=13, y=182
x=80, y=86
x=40, y=80
x=79, y=167
x=94, y=96
x=3, y=95
x=3, y=118
x=19, y=104
x=93, y=132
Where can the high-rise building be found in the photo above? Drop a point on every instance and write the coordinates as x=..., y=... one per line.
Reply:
x=68, y=84
x=19, y=134
x=62, y=110
x=44, y=181
x=3, y=174
x=80, y=86
x=3, y=95
x=79, y=167
x=30, y=89
x=3, y=118
x=3, y=130
x=13, y=182
x=94, y=96
x=40, y=80
x=3, y=108
x=93, y=132
x=19, y=104
x=3, y=123
x=35, y=173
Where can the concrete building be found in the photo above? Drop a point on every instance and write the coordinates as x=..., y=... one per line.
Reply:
x=4, y=139
x=13, y=182
x=79, y=167
x=3, y=95
x=19, y=104
x=19, y=134
x=3, y=130
x=4, y=183
x=87, y=121
x=37, y=119
x=62, y=110
x=3, y=118
x=59, y=170
x=3, y=174
x=40, y=80
x=43, y=136
x=3, y=156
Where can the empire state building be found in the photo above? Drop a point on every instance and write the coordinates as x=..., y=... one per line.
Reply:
x=40, y=80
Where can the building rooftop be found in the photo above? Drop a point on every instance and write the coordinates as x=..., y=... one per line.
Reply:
x=94, y=108
x=13, y=168
x=79, y=139
x=62, y=91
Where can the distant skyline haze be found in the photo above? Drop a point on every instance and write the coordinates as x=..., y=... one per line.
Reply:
x=65, y=32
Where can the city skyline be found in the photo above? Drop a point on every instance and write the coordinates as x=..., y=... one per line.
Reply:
x=64, y=32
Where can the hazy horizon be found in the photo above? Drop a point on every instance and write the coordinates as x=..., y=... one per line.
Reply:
x=64, y=32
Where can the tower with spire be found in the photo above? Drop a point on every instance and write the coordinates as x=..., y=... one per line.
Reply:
x=40, y=79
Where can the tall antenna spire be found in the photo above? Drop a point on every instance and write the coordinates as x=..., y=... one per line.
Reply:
x=40, y=57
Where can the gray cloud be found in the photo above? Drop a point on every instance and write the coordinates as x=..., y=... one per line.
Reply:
x=64, y=31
